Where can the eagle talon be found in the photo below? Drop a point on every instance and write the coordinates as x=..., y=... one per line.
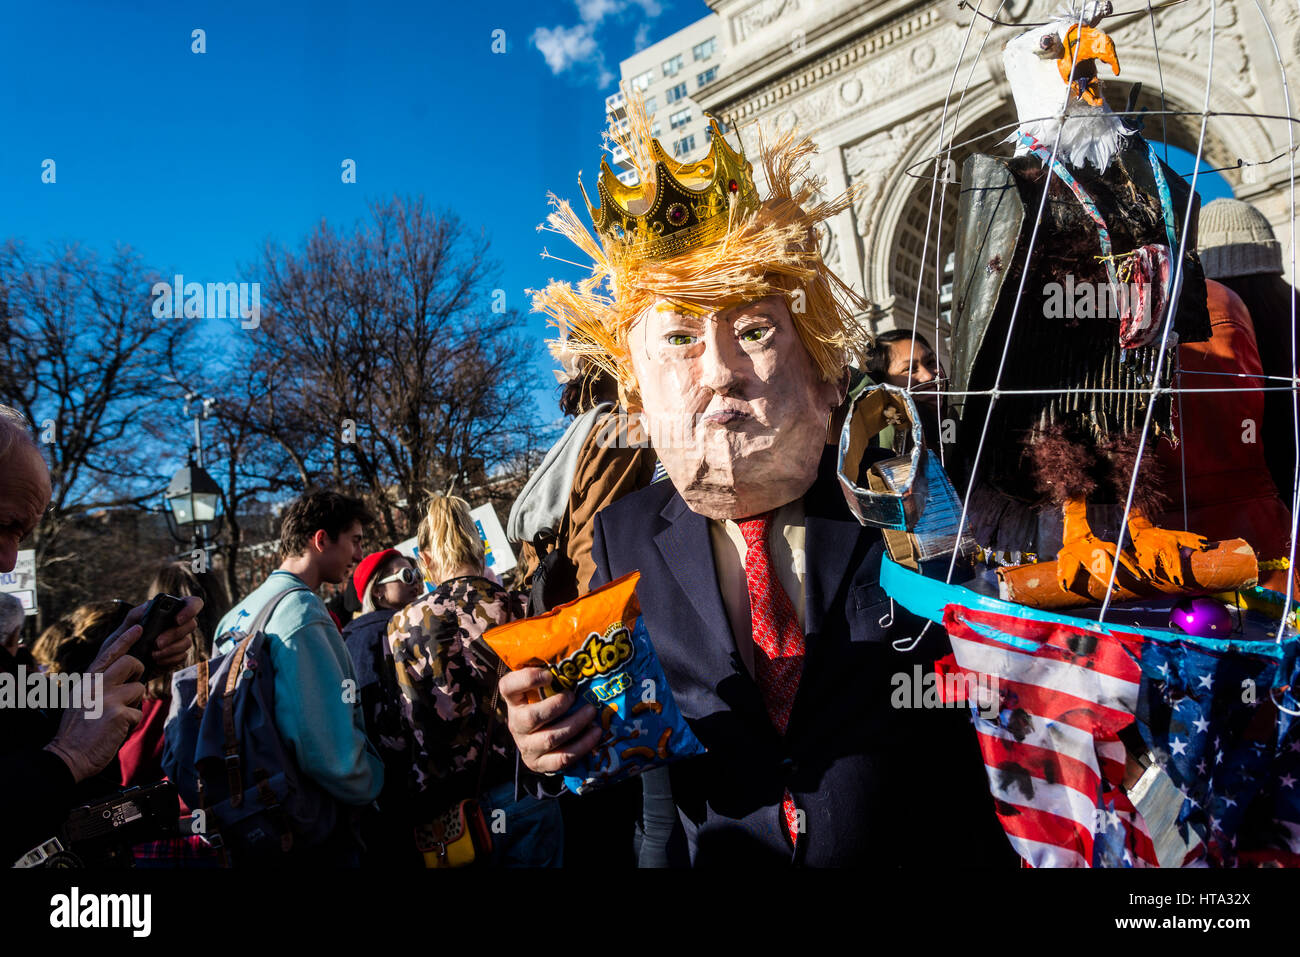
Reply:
x=1158, y=550
x=1089, y=552
x=1081, y=548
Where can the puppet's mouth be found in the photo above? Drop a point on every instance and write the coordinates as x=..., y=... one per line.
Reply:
x=725, y=417
x=1092, y=45
x=1085, y=86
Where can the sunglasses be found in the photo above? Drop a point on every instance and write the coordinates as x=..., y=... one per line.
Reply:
x=406, y=576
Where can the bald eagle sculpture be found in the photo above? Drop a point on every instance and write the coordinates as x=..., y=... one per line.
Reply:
x=1082, y=356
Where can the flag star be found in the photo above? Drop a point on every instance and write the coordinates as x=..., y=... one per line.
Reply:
x=1214, y=823
x=1207, y=681
x=1288, y=781
x=1200, y=765
x=1216, y=742
x=1177, y=746
x=1201, y=725
x=1230, y=801
x=1218, y=758
x=1295, y=746
x=1164, y=669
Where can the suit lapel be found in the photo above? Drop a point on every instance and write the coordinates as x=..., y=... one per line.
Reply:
x=687, y=550
x=831, y=538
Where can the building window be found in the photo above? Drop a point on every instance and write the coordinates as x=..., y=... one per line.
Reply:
x=643, y=80
x=684, y=145
x=676, y=93
x=708, y=76
x=680, y=118
x=705, y=50
x=656, y=131
x=651, y=106
x=672, y=65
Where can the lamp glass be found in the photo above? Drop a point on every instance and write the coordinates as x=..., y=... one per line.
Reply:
x=204, y=507
x=182, y=507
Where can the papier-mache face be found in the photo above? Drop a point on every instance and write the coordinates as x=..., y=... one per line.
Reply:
x=688, y=304
x=736, y=410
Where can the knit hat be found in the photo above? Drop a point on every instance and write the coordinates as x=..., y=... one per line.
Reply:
x=367, y=569
x=1236, y=239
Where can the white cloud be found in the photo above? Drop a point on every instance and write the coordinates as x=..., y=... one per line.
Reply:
x=562, y=47
x=593, y=11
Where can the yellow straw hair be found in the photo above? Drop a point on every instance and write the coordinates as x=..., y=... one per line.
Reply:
x=772, y=250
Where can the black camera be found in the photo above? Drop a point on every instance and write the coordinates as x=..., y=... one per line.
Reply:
x=102, y=834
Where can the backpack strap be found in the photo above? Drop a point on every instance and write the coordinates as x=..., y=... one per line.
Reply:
x=231, y=748
x=201, y=685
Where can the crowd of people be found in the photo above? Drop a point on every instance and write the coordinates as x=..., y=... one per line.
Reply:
x=402, y=749
x=398, y=719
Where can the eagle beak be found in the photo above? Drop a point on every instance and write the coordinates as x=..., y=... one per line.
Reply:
x=1092, y=45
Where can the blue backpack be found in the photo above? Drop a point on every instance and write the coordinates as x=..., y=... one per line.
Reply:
x=225, y=755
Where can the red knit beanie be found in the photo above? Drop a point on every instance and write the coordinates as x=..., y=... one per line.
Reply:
x=367, y=568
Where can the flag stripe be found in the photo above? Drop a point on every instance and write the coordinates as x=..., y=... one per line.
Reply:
x=1048, y=829
x=1117, y=655
x=1110, y=692
x=1053, y=760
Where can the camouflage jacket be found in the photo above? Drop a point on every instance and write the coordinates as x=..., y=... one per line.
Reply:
x=446, y=691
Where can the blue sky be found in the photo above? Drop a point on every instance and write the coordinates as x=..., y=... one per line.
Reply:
x=196, y=160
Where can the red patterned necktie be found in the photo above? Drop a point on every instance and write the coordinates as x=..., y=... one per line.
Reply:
x=777, y=635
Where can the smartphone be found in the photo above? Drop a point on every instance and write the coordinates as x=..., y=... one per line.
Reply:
x=158, y=617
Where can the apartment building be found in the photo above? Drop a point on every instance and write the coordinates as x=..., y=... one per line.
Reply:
x=670, y=74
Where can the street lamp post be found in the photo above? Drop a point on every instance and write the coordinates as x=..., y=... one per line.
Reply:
x=193, y=500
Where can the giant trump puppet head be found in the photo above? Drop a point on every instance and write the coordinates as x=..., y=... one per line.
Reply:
x=714, y=310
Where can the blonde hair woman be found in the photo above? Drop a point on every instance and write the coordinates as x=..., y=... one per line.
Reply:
x=448, y=541
x=448, y=695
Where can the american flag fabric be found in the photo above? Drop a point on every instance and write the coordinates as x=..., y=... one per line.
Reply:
x=1056, y=762
x=1206, y=714
x=1053, y=755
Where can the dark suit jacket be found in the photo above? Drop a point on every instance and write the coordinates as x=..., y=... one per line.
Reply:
x=878, y=785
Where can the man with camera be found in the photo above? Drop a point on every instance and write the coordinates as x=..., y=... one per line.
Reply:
x=40, y=762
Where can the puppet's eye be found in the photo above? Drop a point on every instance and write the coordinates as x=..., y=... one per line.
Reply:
x=755, y=334
x=1050, y=43
x=679, y=339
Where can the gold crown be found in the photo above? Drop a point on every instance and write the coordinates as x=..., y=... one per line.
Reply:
x=686, y=205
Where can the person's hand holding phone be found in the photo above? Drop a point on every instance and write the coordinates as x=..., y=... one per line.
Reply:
x=167, y=649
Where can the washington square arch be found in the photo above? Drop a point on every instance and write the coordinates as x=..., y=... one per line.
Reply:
x=886, y=87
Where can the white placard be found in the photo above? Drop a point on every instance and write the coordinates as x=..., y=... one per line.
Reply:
x=22, y=580
x=500, y=556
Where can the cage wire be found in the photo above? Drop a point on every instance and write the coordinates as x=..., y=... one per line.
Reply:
x=938, y=168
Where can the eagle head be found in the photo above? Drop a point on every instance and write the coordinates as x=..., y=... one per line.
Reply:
x=1055, y=65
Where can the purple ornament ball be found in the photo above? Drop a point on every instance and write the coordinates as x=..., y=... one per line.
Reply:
x=1202, y=617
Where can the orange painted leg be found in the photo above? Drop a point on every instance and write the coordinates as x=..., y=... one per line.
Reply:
x=1082, y=549
x=1158, y=548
